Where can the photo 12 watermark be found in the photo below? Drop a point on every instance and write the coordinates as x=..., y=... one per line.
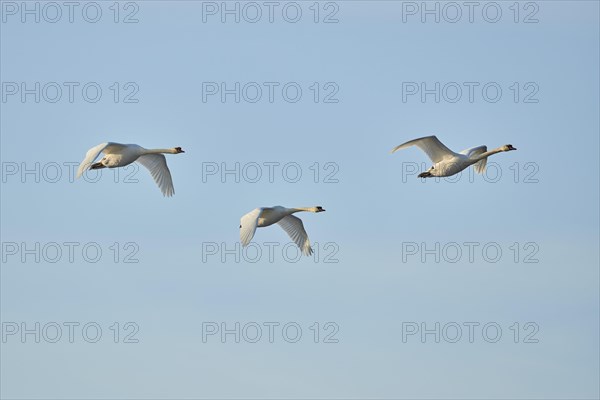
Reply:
x=517, y=172
x=90, y=92
x=74, y=252
x=270, y=172
x=65, y=171
x=69, y=12
x=69, y=332
x=469, y=332
x=454, y=12
x=270, y=332
x=270, y=92
x=489, y=92
x=270, y=12
x=268, y=252
x=469, y=252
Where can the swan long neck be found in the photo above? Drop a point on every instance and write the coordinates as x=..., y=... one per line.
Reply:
x=487, y=154
x=299, y=209
x=160, y=151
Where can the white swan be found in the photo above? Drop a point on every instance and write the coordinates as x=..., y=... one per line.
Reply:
x=265, y=216
x=446, y=162
x=120, y=155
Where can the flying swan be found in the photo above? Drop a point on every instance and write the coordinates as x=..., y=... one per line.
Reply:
x=446, y=162
x=292, y=225
x=119, y=155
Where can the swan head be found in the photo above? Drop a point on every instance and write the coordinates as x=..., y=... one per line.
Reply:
x=508, y=147
x=178, y=150
x=318, y=209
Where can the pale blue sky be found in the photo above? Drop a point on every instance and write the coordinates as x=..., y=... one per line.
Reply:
x=371, y=212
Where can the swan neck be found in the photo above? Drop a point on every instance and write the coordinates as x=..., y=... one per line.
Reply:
x=299, y=209
x=488, y=153
x=160, y=151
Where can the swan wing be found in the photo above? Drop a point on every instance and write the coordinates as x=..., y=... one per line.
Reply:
x=248, y=224
x=479, y=166
x=157, y=165
x=431, y=145
x=294, y=227
x=94, y=152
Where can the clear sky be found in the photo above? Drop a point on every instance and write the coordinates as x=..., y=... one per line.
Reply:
x=515, y=251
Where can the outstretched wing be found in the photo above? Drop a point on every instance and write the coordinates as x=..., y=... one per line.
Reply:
x=157, y=165
x=479, y=166
x=431, y=145
x=248, y=225
x=94, y=152
x=294, y=227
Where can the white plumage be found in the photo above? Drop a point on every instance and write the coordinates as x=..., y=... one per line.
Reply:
x=292, y=225
x=446, y=162
x=119, y=155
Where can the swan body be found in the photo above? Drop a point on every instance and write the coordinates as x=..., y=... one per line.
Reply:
x=446, y=162
x=119, y=155
x=266, y=216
